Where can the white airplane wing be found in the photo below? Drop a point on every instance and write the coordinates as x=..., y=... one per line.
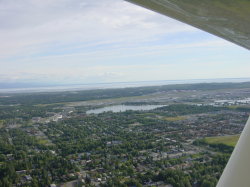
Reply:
x=228, y=19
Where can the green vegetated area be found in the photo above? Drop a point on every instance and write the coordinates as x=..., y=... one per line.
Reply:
x=42, y=145
x=227, y=140
x=26, y=112
x=183, y=109
x=220, y=143
x=25, y=154
x=241, y=108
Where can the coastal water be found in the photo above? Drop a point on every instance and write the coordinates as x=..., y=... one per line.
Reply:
x=15, y=88
x=123, y=108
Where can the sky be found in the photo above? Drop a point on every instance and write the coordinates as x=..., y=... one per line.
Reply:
x=86, y=41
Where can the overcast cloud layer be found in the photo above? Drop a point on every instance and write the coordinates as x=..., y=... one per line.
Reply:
x=85, y=41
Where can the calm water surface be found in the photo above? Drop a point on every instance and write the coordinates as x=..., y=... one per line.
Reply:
x=123, y=108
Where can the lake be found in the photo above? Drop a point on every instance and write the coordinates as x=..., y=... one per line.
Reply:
x=123, y=108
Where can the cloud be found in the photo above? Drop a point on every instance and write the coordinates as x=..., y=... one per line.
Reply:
x=34, y=25
x=75, y=41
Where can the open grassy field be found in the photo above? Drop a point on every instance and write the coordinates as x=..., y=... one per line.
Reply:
x=176, y=118
x=227, y=140
x=118, y=100
x=43, y=141
x=1, y=123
